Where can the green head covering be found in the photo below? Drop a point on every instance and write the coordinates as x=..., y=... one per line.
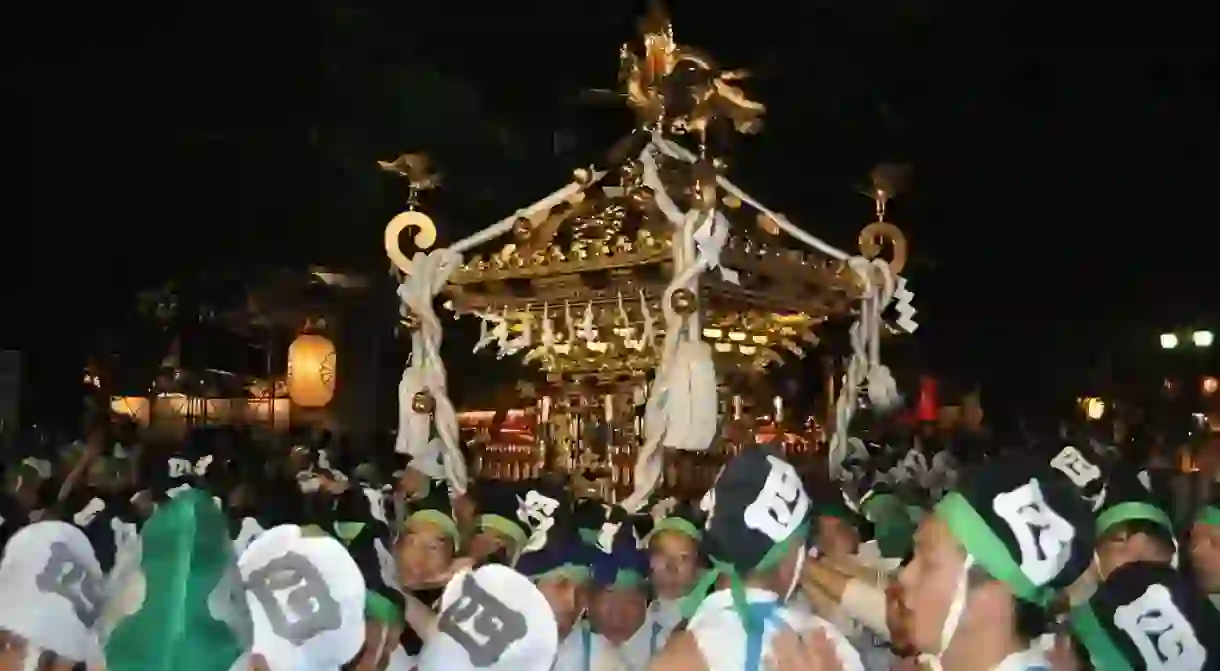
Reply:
x=831, y=501
x=893, y=526
x=1127, y=499
x=362, y=527
x=1209, y=514
x=499, y=503
x=670, y=514
x=1024, y=524
x=176, y=597
x=436, y=508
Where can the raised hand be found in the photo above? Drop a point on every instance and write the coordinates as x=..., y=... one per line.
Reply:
x=811, y=651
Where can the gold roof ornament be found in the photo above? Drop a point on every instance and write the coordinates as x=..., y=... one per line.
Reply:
x=655, y=262
x=416, y=170
x=888, y=179
x=606, y=249
x=677, y=89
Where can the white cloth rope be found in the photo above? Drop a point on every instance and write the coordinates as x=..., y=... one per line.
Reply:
x=865, y=372
x=682, y=403
x=440, y=456
x=506, y=224
x=679, y=152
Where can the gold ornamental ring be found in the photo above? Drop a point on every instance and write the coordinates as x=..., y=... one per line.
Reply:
x=873, y=236
x=424, y=238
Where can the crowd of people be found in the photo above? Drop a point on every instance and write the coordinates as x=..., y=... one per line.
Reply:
x=211, y=554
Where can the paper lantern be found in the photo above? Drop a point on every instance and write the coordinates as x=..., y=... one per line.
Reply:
x=311, y=371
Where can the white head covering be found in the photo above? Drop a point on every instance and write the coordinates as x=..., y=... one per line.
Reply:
x=52, y=587
x=492, y=618
x=306, y=598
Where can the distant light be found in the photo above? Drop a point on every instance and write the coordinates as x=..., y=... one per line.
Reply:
x=1094, y=408
x=1203, y=338
x=1210, y=384
x=1168, y=341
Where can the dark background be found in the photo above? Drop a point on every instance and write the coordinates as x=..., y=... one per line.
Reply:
x=1065, y=153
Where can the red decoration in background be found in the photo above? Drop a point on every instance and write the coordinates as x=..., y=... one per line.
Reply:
x=928, y=407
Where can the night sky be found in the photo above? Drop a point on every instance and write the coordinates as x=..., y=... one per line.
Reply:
x=1065, y=154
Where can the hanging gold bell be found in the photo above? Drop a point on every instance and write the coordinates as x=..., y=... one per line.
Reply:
x=642, y=197
x=582, y=176
x=631, y=172
x=423, y=403
x=410, y=321
x=684, y=301
x=522, y=229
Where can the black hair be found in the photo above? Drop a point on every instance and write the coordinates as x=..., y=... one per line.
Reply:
x=48, y=660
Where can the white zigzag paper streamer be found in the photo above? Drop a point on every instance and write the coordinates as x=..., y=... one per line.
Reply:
x=902, y=305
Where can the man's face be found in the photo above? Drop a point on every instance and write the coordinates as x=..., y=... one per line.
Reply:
x=1205, y=556
x=930, y=581
x=424, y=552
x=488, y=542
x=564, y=596
x=1119, y=547
x=617, y=612
x=673, y=563
x=1112, y=551
x=837, y=538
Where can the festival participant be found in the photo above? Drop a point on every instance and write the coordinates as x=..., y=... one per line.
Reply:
x=589, y=516
x=674, y=563
x=498, y=529
x=428, y=541
x=1086, y=472
x=558, y=562
x=492, y=619
x=791, y=651
x=19, y=500
x=174, y=598
x=1146, y=615
x=618, y=596
x=890, y=517
x=173, y=468
x=837, y=530
x=1205, y=550
x=988, y=560
x=361, y=525
x=855, y=604
x=26, y=484
x=276, y=490
x=101, y=506
x=1132, y=526
x=307, y=601
x=841, y=586
x=52, y=591
x=424, y=558
x=755, y=536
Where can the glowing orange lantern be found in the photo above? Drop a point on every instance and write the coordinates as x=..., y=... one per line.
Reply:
x=311, y=371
